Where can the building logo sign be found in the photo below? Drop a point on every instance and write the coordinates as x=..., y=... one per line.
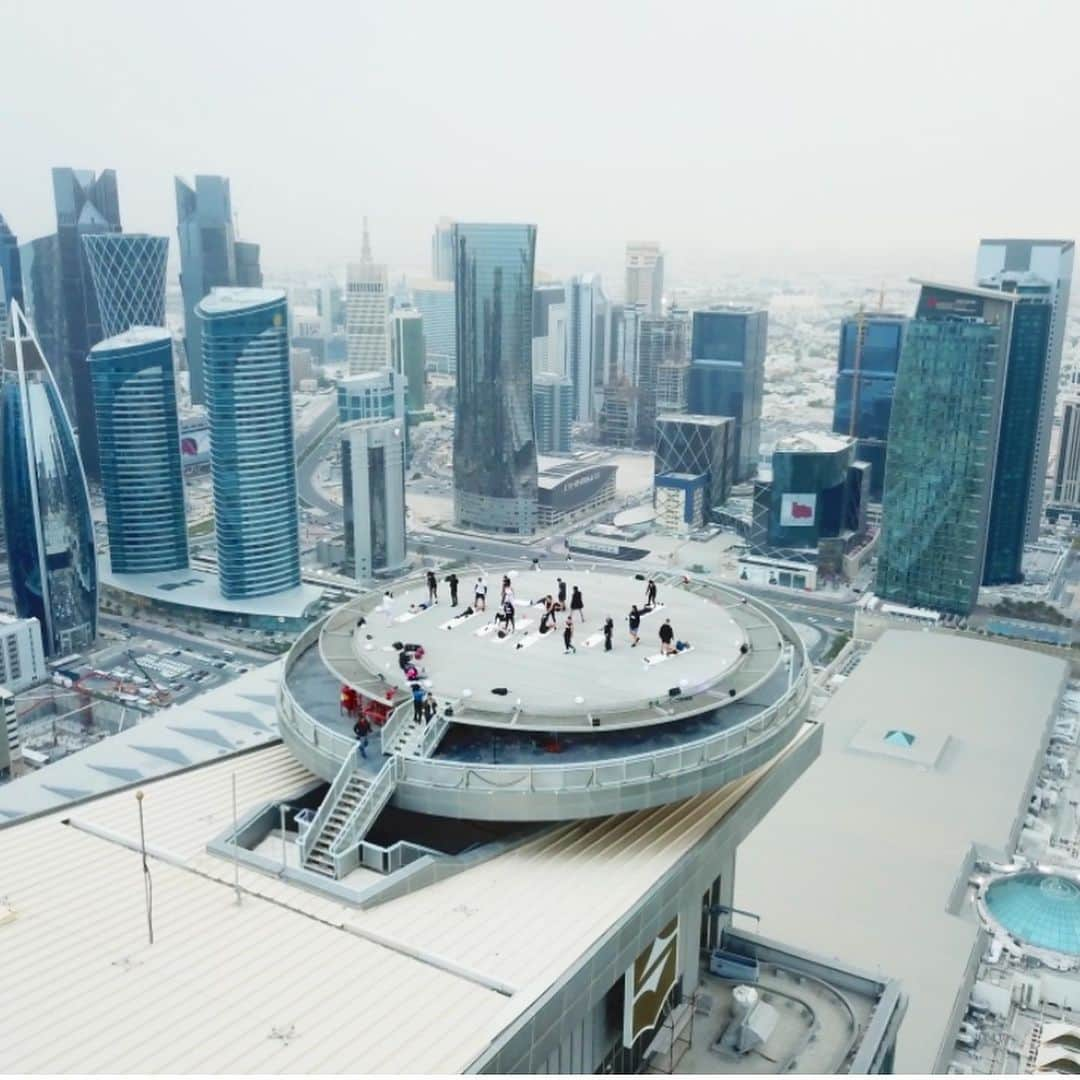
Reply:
x=648, y=983
x=797, y=509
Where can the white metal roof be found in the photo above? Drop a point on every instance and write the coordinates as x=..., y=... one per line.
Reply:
x=860, y=858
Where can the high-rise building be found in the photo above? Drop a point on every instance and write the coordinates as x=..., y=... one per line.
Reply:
x=409, y=355
x=645, y=276
x=442, y=250
x=943, y=441
x=245, y=345
x=1067, y=477
x=727, y=375
x=697, y=446
x=549, y=316
x=869, y=357
x=373, y=483
x=210, y=257
x=367, y=313
x=1051, y=260
x=22, y=658
x=50, y=533
x=435, y=302
x=128, y=272
x=1020, y=419
x=584, y=299
x=60, y=295
x=10, y=273
x=495, y=474
x=375, y=395
x=553, y=410
x=664, y=340
x=141, y=474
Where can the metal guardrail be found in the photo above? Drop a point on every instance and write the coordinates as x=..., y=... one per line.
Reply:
x=345, y=850
x=307, y=841
x=433, y=735
x=399, y=719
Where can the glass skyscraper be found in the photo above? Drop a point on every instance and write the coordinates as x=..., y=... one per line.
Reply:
x=245, y=351
x=495, y=475
x=141, y=475
x=210, y=257
x=10, y=273
x=553, y=409
x=943, y=440
x=727, y=375
x=60, y=293
x=584, y=299
x=409, y=354
x=128, y=271
x=435, y=302
x=50, y=534
x=865, y=382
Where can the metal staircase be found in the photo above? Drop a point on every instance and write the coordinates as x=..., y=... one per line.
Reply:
x=319, y=855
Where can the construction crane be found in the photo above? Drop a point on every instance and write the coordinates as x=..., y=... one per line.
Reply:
x=150, y=678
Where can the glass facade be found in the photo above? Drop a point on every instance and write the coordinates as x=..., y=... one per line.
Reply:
x=727, y=376
x=664, y=342
x=1020, y=416
x=141, y=475
x=210, y=257
x=47, y=523
x=942, y=444
x=698, y=446
x=495, y=481
x=253, y=465
x=584, y=299
x=553, y=410
x=865, y=382
x=10, y=273
x=435, y=302
x=375, y=395
x=409, y=354
x=128, y=271
x=373, y=489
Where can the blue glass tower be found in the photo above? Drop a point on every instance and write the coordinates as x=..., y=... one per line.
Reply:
x=869, y=358
x=141, y=476
x=245, y=352
x=10, y=270
x=47, y=522
x=495, y=475
x=727, y=376
x=128, y=271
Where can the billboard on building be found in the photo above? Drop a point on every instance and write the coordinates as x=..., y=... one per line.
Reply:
x=797, y=509
x=195, y=446
x=649, y=982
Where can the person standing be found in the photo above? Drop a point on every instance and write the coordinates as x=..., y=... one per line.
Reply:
x=452, y=581
x=504, y=590
x=430, y=708
x=480, y=595
x=635, y=625
x=577, y=603
x=508, y=616
x=650, y=594
x=562, y=591
x=609, y=630
x=418, y=703
x=432, y=587
x=667, y=638
x=568, y=636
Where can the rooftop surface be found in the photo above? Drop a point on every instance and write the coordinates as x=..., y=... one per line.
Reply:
x=133, y=336
x=200, y=589
x=288, y=980
x=467, y=661
x=931, y=746
x=228, y=300
x=812, y=442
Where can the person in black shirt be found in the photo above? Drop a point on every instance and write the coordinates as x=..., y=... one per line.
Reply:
x=568, y=636
x=577, y=604
x=452, y=581
x=432, y=587
x=609, y=630
x=562, y=591
x=667, y=638
x=650, y=594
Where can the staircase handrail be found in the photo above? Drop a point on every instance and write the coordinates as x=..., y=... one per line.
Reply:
x=395, y=724
x=348, y=767
x=433, y=735
x=367, y=809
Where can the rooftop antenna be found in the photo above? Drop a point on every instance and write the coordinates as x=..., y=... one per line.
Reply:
x=365, y=251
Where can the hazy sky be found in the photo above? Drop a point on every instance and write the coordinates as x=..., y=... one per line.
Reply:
x=765, y=134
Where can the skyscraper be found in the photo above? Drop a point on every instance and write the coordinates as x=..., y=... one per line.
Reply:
x=253, y=465
x=367, y=313
x=548, y=302
x=10, y=273
x=869, y=357
x=1051, y=260
x=688, y=445
x=373, y=487
x=495, y=476
x=584, y=299
x=60, y=293
x=50, y=533
x=409, y=354
x=375, y=395
x=442, y=250
x=141, y=475
x=1020, y=417
x=664, y=340
x=128, y=272
x=645, y=276
x=553, y=408
x=1067, y=476
x=943, y=441
x=727, y=375
x=435, y=302
x=210, y=257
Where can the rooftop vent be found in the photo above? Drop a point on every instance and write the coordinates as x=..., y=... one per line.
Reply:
x=896, y=737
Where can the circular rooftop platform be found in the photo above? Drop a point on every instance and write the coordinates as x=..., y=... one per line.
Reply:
x=526, y=679
x=577, y=735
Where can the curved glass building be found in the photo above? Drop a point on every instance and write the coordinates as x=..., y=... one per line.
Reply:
x=495, y=482
x=245, y=354
x=47, y=522
x=139, y=436
x=128, y=271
